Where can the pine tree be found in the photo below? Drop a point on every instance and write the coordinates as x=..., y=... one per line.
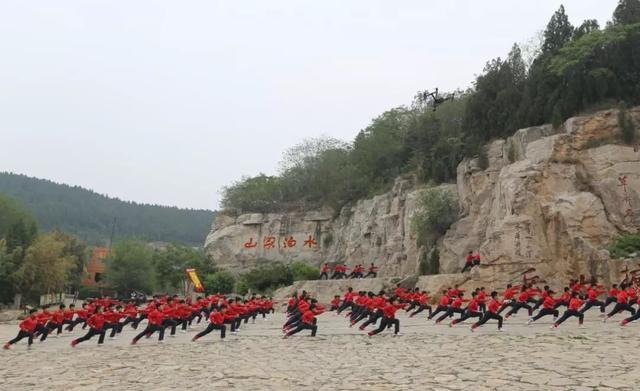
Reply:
x=559, y=31
x=627, y=12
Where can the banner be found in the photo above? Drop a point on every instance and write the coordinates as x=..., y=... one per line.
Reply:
x=196, y=281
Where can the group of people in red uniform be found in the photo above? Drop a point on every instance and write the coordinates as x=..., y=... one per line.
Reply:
x=577, y=298
x=342, y=271
x=161, y=313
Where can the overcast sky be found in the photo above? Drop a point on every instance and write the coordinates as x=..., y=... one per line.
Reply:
x=168, y=101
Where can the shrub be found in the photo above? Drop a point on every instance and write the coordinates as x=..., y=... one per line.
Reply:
x=627, y=128
x=430, y=262
x=438, y=210
x=86, y=292
x=219, y=282
x=483, y=158
x=625, y=245
x=304, y=271
x=268, y=277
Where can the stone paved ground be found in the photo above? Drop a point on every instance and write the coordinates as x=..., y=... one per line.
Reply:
x=427, y=357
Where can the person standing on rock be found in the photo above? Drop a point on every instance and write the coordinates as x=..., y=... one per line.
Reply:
x=27, y=328
x=373, y=271
x=491, y=313
x=468, y=264
x=324, y=272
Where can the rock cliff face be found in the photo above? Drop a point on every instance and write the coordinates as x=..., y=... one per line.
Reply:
x=373, y=230
x=548, y=199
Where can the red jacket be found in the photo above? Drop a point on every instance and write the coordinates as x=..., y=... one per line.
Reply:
x=308, y=317
x=444, y=301
x=217, y=317
x=335, y=302
x=96, y=321
x=575, y=304
x=389, y=311
x=622, y=297
x=473, y=305
x=29, y=324
x=549, y=302
x=494, y=306
x=57, y=317
x=155, y=317
x=82, y=313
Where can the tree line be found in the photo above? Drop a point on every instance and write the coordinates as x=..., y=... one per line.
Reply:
x=91, y=216
x=573, y=70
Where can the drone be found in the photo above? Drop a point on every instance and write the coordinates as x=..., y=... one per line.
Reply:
x=433, y=99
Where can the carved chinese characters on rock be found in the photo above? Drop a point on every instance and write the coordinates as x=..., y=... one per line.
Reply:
x=286, y=242
x=269, y=242
x=250, y=243
x=310, y=242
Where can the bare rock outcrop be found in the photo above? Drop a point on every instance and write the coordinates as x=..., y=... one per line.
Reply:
x=548, y=200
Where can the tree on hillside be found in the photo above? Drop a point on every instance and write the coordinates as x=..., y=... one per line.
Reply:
x=78, y=250
x=627, y=12
x=559, y=31
x=130, y=267
x=587, y=27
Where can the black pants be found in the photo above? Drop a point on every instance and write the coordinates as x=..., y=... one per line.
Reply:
x=325, y=275
x=489, y=315
x=635, y=316
x=386, y=322
x=592, y=303
x=76, y=322
x=545, y=312
x=365, y=313
x=170, y=323
x=450, y=312
x=293, y=319
x=538, y=303
x=621, y=307
x=421, y=308
x=482, y=307
x=439, y=309
x=114, y=327
x=22, y=334
x=43, y=331
x=569, y=313
x=140, y=319
x=65, y=321
x=150, y=329
x=210, y=328
x=304, y=326
x=373, y=318
x=468, y=266
x=374, y=274
x=133, y=321
x=516, y=307
x=610, y=299
x=231, y=323
x=337, y=275
x=90, y=334
x=50, y=327
x=466, y=315
x=414, y=304
x=345, y=305
x=504, y=306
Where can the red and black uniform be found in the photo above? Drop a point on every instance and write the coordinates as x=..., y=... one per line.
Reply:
x=96, y=324
x=491, y=313
x=347, y=301
x=308, y=321
x=82, y=314
x=470, y=312
x=633, y=317
x=130, y=316
x=574, y=310
x=216, y=322
x=388, y=318
x=622, y=304
x=454, y=308
x=592, y=300
x=521, y=302
x=27, y=328
x=112, y=321
x=423, y=303
x=335, y=304
x=548, y=308
x=612, y=297
x=508, y=298
x=372, y=271
x=468, y=263
x=324, y=272
x=443, y=305
x=375, y=308
x=156, y=323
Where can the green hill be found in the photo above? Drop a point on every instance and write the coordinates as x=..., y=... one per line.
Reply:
x=90, y=215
